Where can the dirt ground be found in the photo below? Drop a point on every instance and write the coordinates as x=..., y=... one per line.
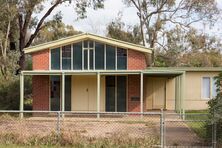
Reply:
x=177, y=133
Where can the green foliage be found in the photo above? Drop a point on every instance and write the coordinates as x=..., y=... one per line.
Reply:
x=10, y=94
x=54, y=30
x=118, y=30
x=190, y=49
x=215, y=107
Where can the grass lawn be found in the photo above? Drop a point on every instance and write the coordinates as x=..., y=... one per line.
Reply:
x=199, y=121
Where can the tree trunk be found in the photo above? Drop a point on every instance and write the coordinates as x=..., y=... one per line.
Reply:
x=21, y=61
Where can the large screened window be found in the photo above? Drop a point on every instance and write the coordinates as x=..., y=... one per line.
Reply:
x=88, y=55
x=121, y=58
x=110, y=57
x=55, y=59
x=77, y=56
x=99, y=56
x=66, y=57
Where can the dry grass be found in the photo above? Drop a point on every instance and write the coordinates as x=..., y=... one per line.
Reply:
x=77, y=133
x=76, y=140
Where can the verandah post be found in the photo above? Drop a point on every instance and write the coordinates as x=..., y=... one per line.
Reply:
x=183, y=93
x=21, y=95
x=63, y=92
x=98, y=95
x=141, y=93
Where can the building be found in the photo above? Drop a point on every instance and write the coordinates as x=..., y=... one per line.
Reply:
x=87, y=72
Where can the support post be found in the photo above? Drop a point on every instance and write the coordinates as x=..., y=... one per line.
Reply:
x=183, y=94
x=21, y=95
x=98, y=95
x=141, y=93
x=63, y=92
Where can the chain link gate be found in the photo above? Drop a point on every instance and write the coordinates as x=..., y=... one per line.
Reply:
x=187, y=130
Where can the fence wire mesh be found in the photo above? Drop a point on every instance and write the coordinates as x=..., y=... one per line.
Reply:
x=188, y=130
x=150, y=129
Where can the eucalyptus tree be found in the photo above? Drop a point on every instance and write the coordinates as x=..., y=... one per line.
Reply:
x=27, y=22
x=8, y=34
x=157, y=15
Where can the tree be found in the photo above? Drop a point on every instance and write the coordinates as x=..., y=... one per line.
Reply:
x=117, y=30
x=7, y=37
x=155, y=15
x=189, y=48
x=54, y=30
x=26, y=21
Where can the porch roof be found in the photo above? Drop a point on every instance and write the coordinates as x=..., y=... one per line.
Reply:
x=103, y=72
x=187, y=69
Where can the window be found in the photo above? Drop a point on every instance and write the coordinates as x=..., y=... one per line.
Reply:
x=110, y=57
x=88, y=55
x=209, y=88
x=206, y=87
x=99, y=56
x=85, y=59
x=66, y=57
x=91, y=57
x=214, y=88
x=121, y=58
x=55, y=59
x=77, y=56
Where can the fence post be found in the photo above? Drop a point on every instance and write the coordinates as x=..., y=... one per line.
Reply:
x=214, y=134
x=58, y=128
x=214, y=131
x=162, y=126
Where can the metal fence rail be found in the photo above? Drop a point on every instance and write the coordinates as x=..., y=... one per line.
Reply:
x=148, y=129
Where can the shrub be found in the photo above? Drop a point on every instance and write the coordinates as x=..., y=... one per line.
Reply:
x=215, y=108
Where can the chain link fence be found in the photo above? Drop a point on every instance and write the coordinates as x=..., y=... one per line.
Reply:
x=125, y=129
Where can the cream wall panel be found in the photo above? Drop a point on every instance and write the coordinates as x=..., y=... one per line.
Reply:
x=170, y=94
x=148, y=93
x=193, y=86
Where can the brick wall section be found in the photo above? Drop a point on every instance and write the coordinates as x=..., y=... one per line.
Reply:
x=40, y=60
x=134, y=91
x=136, y=60
x=40, y=91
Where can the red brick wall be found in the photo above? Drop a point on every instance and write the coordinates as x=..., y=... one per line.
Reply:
x=134, y=91
x=40, y=91
x=136, y=60
x=40, y=60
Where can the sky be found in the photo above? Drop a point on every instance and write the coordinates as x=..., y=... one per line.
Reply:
x=97, y=21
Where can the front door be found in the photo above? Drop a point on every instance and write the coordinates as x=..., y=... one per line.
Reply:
x=159, y=93
x=115, y=93
x=84, y=93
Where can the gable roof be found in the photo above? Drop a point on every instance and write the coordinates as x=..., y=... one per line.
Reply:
x=86, y=36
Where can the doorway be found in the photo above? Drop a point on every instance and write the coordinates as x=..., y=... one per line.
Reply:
x=159, y=93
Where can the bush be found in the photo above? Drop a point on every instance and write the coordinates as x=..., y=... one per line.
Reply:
x=215, y=108
x=10, y=93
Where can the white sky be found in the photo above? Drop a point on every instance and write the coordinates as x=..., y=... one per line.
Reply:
x=97, y=21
